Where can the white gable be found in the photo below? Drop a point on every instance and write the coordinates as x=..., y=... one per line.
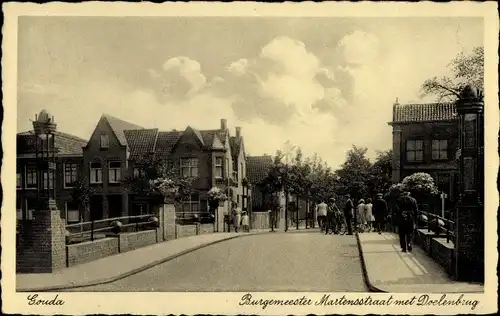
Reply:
x=217, y=144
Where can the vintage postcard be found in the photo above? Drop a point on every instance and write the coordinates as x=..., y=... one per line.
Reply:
x=250, y=158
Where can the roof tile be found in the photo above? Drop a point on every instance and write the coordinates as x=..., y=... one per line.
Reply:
x=140, y=141
x=66, y=144
x=410, y=113
x=258, y=168
x=119, y=126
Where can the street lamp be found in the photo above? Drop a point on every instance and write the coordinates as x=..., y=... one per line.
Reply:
x=469, y=214
x=45, y=128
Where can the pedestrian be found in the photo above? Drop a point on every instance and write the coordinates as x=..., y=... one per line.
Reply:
x=369, y=215
x=237, y=217
x=379, y=212
x=321, y=210
x=406, y=214
x=245, y=222
x=349, y=213
x=329, y=219
x=361, y=220
x=333, y=213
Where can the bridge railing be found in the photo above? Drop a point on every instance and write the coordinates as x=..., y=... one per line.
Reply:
x=440, y=225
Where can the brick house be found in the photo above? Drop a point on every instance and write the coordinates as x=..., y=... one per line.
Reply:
x=114, y=150
x=69, y=163
x=425, y=139
x=257, y=170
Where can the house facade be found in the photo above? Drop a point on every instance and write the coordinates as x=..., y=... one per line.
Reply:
x=69, y=164
x=257, y=170
x=425, y=139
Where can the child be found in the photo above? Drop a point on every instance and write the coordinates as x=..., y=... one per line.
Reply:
x=245, y=222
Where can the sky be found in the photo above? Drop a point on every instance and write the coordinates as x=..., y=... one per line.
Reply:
x=324, y=84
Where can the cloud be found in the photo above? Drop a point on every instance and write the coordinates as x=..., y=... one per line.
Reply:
x=359, y=48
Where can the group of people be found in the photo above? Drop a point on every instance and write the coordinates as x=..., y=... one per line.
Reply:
x=370, y=217
x=239, y=219
x=365, y=217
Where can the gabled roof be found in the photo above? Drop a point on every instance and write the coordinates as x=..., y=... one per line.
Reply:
x=65, y=144
x=165, y=141
x=414, y=113
x=198, y=134
x=258, y=168
x=119, y=127
x=140, y=141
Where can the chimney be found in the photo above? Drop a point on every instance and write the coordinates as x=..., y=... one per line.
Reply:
x=223, y=124
x=238, y=132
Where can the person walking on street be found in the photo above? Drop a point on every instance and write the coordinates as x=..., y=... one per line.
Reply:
x=237, y=218
x=334, y=218
x=321, y=210
x=361, y=220
x=349, y=214
x=379, y=212
x=406, y=213
x=245, y=222
x=369, y=215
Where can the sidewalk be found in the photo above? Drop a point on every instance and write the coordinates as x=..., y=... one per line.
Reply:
x=115, y=267
x=388, y=269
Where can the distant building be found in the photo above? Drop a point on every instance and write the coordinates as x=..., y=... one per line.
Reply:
x=257, y=169
x=69, y=162
x=425, y=139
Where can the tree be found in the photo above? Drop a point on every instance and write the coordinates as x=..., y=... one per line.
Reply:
x=81, y=193
x=381, y=173
x=354, y=173
x=420, y=184
x=466, y=69
x=153, y=171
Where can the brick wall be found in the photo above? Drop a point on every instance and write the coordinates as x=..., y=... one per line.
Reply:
x=186, y=230
x=206, y=229
x=91, y=250
x=131, y=241
x=443, y=253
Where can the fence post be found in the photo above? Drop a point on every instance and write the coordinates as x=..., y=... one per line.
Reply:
x=428, y=222
x=92, y=230
x=137, y=224
x=447, y=232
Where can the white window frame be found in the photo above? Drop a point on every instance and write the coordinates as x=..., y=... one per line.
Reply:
x=94, y=169
x=65, y=186
x=19, y=181
x=47, y=174
x=104, y=141
x=139, y=173
x=438, y=149
x=414, y=150
x=219, y=166
x=26, y=178
x=190, y=166
x=116, y=171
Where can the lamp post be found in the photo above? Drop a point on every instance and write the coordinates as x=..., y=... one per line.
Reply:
x=245, y=185
x=44, y=128
x=469, y=214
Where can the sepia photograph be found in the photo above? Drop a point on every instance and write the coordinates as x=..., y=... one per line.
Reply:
x=304, y=163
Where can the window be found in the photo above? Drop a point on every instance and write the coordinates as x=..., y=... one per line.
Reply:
x=95, y=172
x=440, y=149
x=415, y=150
x=139, y=173
x=72, y=212
x=219, y=167
x=48, y=179
x=192, y=205
x=189, y=167
x=18, y=181
x=70, y=174
x=114, y=172
x=104, y=141
x=30, y=177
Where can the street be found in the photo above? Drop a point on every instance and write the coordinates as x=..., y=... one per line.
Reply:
x=294, y=261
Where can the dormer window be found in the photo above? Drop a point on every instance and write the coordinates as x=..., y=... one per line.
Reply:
x=104, y=141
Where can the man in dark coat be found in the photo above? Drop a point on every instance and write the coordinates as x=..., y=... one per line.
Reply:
x=406, y=215
x=379, y=212
x=349, y=213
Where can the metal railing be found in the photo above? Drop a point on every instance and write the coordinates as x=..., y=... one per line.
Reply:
x=447, y=228
x=192, y=217
x=98, y=229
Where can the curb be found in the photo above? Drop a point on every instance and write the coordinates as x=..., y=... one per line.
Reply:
x=368, y=284
x=137, y=270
